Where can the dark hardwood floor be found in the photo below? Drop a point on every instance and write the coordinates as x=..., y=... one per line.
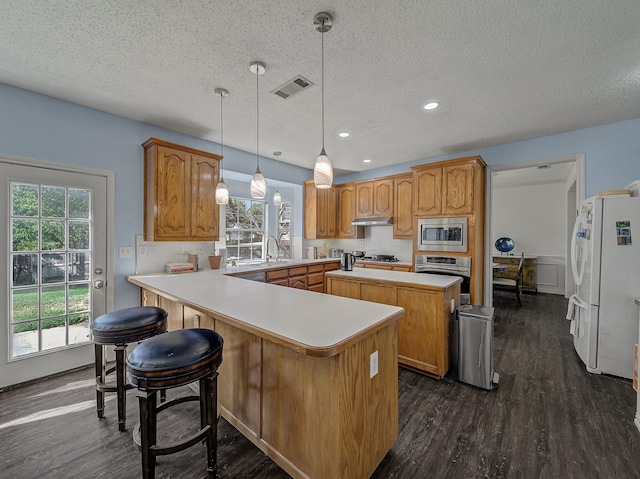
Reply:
x=548, y=418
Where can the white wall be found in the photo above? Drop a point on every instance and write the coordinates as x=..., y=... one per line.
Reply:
x=533, y=216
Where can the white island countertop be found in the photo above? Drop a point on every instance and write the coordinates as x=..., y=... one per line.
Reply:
x=314, y=324
x=422, y=280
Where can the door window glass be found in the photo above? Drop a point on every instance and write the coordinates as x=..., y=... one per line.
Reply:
x=50, y=252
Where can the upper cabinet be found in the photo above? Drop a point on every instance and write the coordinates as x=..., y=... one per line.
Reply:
x=447, y=188
x=179, y=193
x=347, y=212
x=403, y=218
x=374, y=198
x=320, y=208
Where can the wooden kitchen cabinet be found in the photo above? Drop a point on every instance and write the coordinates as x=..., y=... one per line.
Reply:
x=347, y=212
x=423, y=332
x=179, y=193
x=320, y=211
x=403, y=219
x=309, y=277
x=448, y=188
x=456, y=188
x=374, y=198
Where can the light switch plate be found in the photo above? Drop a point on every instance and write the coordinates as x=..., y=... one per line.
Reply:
x=373, y=364
x=125, y=251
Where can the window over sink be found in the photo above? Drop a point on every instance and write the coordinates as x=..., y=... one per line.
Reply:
x=245, y=229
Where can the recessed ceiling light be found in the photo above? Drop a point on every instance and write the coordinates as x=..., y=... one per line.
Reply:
x=431, y=105
x=344, y=134
x=366, y=161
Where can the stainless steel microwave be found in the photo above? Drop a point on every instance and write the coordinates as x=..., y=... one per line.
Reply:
x=443, y=234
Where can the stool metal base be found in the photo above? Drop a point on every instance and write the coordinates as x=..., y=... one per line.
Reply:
x=120, y=386
x=145, y=433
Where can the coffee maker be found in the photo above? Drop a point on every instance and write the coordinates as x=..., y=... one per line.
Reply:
x=347, y=261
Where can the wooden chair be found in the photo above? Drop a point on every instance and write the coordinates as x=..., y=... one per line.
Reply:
x=508, y=284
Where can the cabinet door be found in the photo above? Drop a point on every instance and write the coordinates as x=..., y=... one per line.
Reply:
x=428, y=191
x=364, y=199
x=172, y=200
x=383, y=198
x=326, y=213
x=148, y=298
x=403, y=218
x=347, y=213
x=420, y=335
x=378, y=294
x=204, y=210
x=339, y=287
x=299, y=282
x=457, y=183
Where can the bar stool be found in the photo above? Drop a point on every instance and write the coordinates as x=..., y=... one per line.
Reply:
x=170, y=360
x=121, y=328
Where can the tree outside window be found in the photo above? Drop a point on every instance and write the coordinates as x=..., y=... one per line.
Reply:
x=284, y=230
x=245, y=229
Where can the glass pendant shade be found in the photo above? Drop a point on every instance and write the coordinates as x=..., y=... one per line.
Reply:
x=222, y=193
x=277, y=199
x=258, y=185
x=323, y=171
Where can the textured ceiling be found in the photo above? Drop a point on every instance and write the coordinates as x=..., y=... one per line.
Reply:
x=503, y=70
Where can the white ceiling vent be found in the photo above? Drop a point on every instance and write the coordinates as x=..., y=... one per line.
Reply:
x=293, y=86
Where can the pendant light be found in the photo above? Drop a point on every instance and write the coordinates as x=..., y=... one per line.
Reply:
x=323, y=170
x=277, y=199
x=258, y=184
x=222, y=192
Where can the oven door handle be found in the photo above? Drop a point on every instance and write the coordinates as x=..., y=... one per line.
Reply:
x=451, y=272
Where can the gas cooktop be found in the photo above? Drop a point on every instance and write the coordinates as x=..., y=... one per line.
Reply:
x=385, y=258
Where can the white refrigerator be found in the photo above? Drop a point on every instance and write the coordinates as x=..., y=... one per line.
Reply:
x=605, y=261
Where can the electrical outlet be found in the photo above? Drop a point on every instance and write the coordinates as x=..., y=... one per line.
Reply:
x=125, y=251
x=362, y=243
x=373, y=364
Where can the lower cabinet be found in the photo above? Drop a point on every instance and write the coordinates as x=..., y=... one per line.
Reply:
x=309, y=277
x=423, y=332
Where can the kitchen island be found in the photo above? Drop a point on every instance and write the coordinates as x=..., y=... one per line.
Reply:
x=310, y=379
x=429, y=301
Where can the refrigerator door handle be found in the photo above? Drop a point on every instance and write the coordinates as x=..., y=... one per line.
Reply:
x=577, y=272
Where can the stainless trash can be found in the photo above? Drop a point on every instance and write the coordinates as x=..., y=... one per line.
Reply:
x=475, y=346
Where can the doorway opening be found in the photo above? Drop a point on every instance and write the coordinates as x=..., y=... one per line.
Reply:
x=534, y=204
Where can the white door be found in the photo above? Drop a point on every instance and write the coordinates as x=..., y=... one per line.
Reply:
x=53, y=247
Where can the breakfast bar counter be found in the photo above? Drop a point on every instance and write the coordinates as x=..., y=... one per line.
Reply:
x=311, y=379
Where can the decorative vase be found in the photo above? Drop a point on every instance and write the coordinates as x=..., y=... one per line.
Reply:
x=214, y=261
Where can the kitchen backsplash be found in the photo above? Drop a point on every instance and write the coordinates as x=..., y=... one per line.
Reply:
x=377, y=240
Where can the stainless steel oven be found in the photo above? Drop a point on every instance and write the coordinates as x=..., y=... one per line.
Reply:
x=450, y=266
x=443, y=234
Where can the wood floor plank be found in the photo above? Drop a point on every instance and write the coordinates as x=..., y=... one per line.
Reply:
x=547, y=418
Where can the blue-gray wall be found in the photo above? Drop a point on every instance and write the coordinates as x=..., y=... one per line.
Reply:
x=612, y=155
x=40, y=127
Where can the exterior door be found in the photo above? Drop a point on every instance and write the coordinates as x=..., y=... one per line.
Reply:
x=53, y=247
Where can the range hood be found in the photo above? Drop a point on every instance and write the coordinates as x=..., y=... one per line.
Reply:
x=373, y=221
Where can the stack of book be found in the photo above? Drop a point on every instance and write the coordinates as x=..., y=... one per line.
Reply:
x=182, y=267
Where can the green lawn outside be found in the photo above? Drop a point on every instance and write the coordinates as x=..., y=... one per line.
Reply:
x=25, y=307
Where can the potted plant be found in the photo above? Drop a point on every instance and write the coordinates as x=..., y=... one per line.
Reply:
x=214, y=258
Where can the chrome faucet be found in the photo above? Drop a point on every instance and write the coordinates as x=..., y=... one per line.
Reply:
x=267, y=255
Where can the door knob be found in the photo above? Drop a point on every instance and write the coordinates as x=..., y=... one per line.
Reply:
x=98, y=283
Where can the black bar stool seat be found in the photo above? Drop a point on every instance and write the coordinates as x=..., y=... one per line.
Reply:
x=120, y=328
x=170, y=360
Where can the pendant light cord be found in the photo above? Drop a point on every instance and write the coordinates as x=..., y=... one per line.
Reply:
x=322, y=35
x=221, y=138
x=257, y=116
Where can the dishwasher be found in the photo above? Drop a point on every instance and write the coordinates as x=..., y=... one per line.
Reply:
x=475, y=346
